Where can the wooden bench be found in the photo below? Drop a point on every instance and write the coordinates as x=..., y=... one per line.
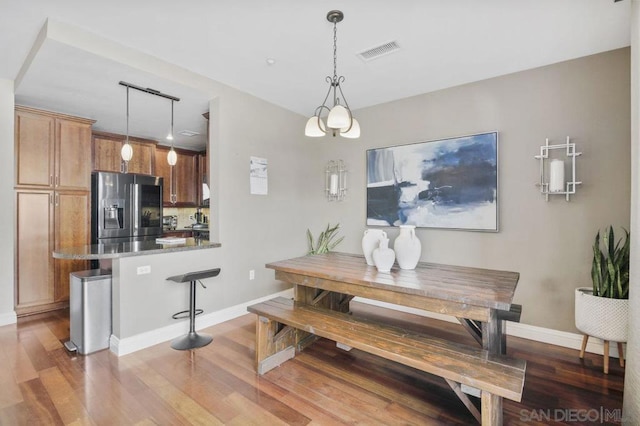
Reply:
x=283, y=324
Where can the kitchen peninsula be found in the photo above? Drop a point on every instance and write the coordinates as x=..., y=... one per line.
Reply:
x=142, y=299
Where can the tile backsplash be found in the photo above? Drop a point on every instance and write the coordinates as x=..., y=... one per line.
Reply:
x=183, y=214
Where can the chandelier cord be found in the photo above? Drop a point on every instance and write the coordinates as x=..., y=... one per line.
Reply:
x=335, y=50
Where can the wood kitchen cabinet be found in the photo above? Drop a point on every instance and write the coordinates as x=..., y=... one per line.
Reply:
x=34, y=245
x=52, y=150
x=181, y=180
x=203, y=177
x=72, y=228
x=52, y=190
x=163, y=169
x=47, y=220
x=107, y=158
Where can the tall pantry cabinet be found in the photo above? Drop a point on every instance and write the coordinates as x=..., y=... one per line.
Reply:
x=52, y=190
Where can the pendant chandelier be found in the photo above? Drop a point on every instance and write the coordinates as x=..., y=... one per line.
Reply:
x=339, y=118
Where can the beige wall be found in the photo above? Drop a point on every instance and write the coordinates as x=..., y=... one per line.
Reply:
x=549, y=243
x=7, y=314
x=256, y=229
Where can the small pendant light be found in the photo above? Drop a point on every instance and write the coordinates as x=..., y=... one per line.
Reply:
x=172, y=157
x=126, y=152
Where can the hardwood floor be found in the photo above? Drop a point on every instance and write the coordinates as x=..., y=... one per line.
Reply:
x=40, y=383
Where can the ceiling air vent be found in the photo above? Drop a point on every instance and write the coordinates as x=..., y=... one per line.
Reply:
x=188, y=133
x=378, y=51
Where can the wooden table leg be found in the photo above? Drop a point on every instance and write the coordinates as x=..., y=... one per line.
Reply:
x=492, y=333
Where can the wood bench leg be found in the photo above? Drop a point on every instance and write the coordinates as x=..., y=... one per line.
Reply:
x=274, y=345
x=465, y=399
x=491, y=409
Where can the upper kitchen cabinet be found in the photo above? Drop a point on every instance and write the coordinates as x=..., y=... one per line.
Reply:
x=106, y=154
x=52, y=150
x=185, y=174
x=203, y=179
x=180, y=181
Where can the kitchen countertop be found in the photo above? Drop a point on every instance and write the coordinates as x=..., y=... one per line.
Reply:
x=185, y=229
x=136, y=248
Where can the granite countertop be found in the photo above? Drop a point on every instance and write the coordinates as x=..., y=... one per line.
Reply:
x=185, y=229
x=136, y=248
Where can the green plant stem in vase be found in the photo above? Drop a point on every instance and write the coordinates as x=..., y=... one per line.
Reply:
x=325, y=242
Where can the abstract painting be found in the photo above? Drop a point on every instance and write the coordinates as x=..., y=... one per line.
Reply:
x=449, y=183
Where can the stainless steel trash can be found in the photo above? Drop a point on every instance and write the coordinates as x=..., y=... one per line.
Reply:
x=89, y=311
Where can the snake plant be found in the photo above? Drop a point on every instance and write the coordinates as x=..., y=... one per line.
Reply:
x=610, y=267
x=325, y=241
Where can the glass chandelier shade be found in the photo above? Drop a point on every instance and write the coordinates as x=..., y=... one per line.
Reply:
x=339, y=119
x=126, y=152
x=172, y=157
x=353, y=132
x=315, y=127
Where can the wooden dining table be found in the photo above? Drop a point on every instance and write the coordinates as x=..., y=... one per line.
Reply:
x=473, y=295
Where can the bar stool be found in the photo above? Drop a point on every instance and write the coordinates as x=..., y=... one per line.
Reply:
x=192, y=340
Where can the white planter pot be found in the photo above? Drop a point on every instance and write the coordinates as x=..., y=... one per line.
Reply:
x=601, y=317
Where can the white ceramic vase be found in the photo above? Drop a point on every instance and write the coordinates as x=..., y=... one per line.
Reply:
x=370, y=242
x=407, y=247
x=383, y=256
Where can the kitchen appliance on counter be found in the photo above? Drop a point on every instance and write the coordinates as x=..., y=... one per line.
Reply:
x=125, y=207
x=169, y=223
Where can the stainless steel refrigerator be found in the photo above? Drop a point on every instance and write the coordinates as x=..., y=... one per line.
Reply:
x=125, y=207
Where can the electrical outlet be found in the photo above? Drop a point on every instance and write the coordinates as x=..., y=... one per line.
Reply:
x=144, y=270
x=252, y=274
x=191, y=217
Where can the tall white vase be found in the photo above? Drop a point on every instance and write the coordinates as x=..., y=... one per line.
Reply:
x=407, y=247
x=370, y=242
x=383, y=256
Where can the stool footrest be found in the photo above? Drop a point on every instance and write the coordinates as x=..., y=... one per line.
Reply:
x=185, y=314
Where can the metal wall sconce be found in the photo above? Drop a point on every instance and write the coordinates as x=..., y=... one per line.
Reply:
x=554, y=182
x=335, y=180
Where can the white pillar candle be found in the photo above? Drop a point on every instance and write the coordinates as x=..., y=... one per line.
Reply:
x=556, y=176
x=333, y=186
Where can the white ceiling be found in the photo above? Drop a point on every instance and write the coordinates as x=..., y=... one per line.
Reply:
x=443, y=44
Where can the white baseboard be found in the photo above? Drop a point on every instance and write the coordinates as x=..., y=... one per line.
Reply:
x=531, y=332
x=144, y=340
x=8, y=318
x=525, y=331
